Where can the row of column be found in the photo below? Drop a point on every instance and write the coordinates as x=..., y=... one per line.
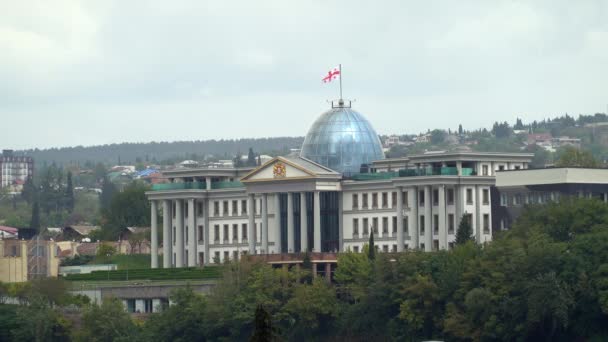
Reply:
x=291, y=222
x=192, y=241
x=179, y=234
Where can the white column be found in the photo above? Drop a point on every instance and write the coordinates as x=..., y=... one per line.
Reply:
x=191, y=234
x=206, y=229
x=428, y=219
x=167, y=238
x=317, y=222
x=443, y=233
x=251, y=225
x=277, y=222
x=399, y=219
x=477, y=228
x=303, y=223
x=179, y=233
x=459, y=168
x=290, y=224
x=414, y=229
x=153, y=235
x=265, y=224
x=208, y=183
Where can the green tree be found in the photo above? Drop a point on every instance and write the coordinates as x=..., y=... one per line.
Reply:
x=108, y=189
x=251, y=158
x=29, y=192
x=371, y=253
x=438, y=136
x=129, y=208
x=571, y=156
x=69, y=193
x=262, y=327
x=35, y=220
x=463, y=235
x=107, y=322
x=313, y=307
x=39, y=322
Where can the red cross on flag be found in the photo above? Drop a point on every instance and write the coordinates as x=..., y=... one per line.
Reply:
x=333, y=74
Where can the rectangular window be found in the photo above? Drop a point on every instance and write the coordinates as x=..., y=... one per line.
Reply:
x=255, y=207
x=199, y=208
x=216, y=208
x=503, y=200
x=450, y=197
x=375, y=225
x=501, y=168
x=374, y=200
x=235, y=255
x=435, y=224
x=243, y=207
x=450, y=223
x=385, y=200
x=174, y=235
x=517, y=199
x=200, y=234
x=225, y=208
x=435, y=197
x=244, y=231
x=435, y=245
x=355, y=227
x=469, y=196
x=385, y=248
x=235, y=232
x=484, y=170
x=485, y=196
x=394, y=225
x=421, y=225
x=174, y=210
x=226, y=228
x=421, y=198
x=422, y=246
x=356, y=249
x=406, y=225
x=186, y=229
x=394, y=199
x=216, y=233
x=394, y=250
x=216, y=258
x=365, y=226
x=148, y=305
x=384, y=226
x=406, y=201
x=226, y=256
x=235, y=208
x=355, y=201
x=486, y=223
x=186, y=210
x=365, y=204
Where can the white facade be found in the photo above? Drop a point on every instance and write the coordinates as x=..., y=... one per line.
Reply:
x=418, y=207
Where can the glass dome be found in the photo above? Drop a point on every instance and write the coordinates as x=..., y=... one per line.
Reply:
x=342, y=140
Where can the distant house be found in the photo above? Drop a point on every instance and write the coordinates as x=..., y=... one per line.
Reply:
x=8, y=232
x=566, y=141
x=77, y=233
x=539, y=138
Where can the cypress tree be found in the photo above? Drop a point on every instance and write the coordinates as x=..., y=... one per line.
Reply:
x=69, y=194
x=262, y=326
x=371, y=253
x=463, y=235
x=35, y=221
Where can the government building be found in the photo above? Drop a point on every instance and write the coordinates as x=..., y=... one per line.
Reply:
x=328, y=198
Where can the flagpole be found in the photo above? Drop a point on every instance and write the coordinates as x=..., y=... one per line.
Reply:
x=340, y=69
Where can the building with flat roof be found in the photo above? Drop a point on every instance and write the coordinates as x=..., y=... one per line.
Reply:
x=15, y=170
x=327, y=199
x=517, y=188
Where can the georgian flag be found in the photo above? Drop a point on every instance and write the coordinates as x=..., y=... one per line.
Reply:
x=333, y=74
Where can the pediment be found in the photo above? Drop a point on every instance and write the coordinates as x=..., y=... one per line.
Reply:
x=278, y=169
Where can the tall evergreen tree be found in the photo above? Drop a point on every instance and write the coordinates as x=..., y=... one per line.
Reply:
x=29, y=191
x=251, y=158
x=464, y=230
x=69, y=193
x=35, y=221
x=107, y=191
x=371, y=253
x=460, y=130
x=262, y=326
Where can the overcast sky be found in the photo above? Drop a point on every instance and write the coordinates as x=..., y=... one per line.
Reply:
x=97, y=72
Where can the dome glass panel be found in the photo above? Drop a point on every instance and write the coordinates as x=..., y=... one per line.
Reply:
x=342, y=140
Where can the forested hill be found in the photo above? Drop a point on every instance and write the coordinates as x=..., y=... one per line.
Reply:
x=162, y=151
